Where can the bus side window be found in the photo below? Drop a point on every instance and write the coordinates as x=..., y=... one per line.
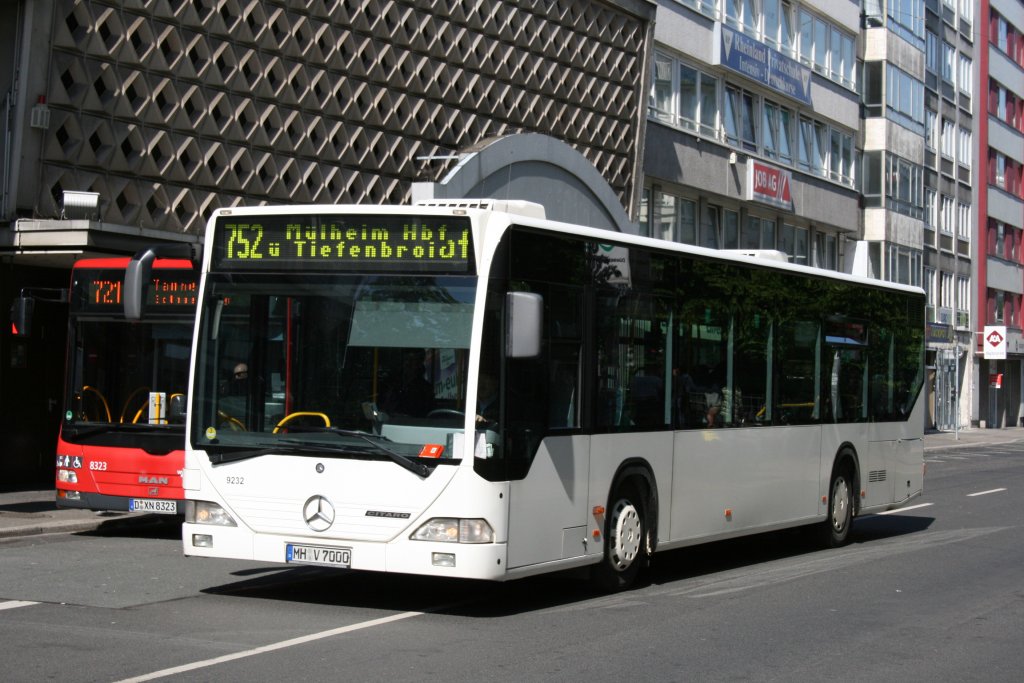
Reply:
x=797, y=367
x=746, y=399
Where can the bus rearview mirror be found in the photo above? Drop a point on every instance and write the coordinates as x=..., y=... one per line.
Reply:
x=139, y=272
x=21, y=316
x=525, y=321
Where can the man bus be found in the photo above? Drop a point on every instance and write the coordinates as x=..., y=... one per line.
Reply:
x=121, y=441
x=647, y=395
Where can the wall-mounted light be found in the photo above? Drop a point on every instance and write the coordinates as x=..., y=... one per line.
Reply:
x=40, y=116
x=732, y=158
x=77, y=204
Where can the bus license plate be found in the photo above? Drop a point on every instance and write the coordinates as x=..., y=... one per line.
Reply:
x=162, y=507
x=298, y=553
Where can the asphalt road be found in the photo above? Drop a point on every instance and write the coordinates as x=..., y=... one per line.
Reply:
x=934, y=592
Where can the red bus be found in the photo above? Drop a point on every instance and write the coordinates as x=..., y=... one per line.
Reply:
x=122, y=433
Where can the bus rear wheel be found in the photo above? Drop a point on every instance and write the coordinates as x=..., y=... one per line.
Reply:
x=625, y=540
x=835, y=530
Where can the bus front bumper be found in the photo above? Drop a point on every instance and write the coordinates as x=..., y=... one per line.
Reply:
x=485, y=561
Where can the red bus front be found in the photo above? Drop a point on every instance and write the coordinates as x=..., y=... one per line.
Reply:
x=122, y=435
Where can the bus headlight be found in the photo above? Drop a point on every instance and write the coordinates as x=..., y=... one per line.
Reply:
x=203, y=512
x=67, y=476
x=454, y=530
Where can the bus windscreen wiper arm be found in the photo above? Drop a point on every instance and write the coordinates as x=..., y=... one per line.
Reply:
x=290, y=447
x=375, y=442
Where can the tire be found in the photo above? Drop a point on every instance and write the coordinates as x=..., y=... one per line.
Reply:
x=835, y=530
x=625, y=540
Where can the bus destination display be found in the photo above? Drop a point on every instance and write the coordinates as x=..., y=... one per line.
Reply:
x=375, y=243
x=103, y=290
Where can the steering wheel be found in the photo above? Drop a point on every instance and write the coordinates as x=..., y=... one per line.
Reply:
x=446, y=412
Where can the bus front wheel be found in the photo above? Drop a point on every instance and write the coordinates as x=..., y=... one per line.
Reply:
x=835, y=530
x=625, y=540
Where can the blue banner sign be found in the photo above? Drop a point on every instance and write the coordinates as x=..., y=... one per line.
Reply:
x=758, y=62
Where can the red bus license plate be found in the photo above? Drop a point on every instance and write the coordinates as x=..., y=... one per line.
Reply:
x=163, y=507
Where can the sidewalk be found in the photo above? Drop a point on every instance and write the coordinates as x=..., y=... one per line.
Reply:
x=28, y=513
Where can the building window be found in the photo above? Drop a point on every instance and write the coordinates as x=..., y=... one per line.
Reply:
x=730, y=229
x=932, y=53
x=662, y=97
x=742, y=14
x=709, y=226
x=963, y=302
x=687, y=228
x=777, y=130
x=967, y=11
x=966, y=140
x=821, y=32
x=931, y=208
x=929, y=291
x=826, y=251
x=905, y=18
x=948, y=139
x=1002, y=33
x=904, y=265
x=963, y=221
x=966, y=79
x=812, y=146
x=946, y=290
x=644, y=222
x=905, y=98
x=948, y=63
x=841, y=157
x=948, y=214
x=806, y=37
x=741, y=118
x=666, y=213
x=903, y=186
x=698, y=100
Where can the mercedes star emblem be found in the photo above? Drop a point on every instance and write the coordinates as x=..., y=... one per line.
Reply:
x=318, y=513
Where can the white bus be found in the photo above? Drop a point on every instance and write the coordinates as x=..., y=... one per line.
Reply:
x=466, y=389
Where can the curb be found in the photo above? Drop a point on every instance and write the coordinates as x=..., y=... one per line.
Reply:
x=77, y=524
x=50, y=527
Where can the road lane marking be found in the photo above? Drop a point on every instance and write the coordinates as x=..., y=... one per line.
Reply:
x=912, y=507
x=985, y=493
x=11, y=604
x=301, y=640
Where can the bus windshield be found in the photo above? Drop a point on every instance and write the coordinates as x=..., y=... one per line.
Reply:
x=117, y=370
x=300, y=362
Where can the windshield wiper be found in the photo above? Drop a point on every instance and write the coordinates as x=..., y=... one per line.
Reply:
x=74, y=432
x=292, y=447
x=374, y=441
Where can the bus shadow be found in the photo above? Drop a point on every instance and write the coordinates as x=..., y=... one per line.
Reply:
x=720, y=556
x=159, y=527
x=482, y=599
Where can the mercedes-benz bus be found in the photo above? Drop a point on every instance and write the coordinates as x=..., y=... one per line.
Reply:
x=467, y=389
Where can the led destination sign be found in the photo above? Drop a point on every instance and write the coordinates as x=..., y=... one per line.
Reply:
x=376, y=243
x=103, y=290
